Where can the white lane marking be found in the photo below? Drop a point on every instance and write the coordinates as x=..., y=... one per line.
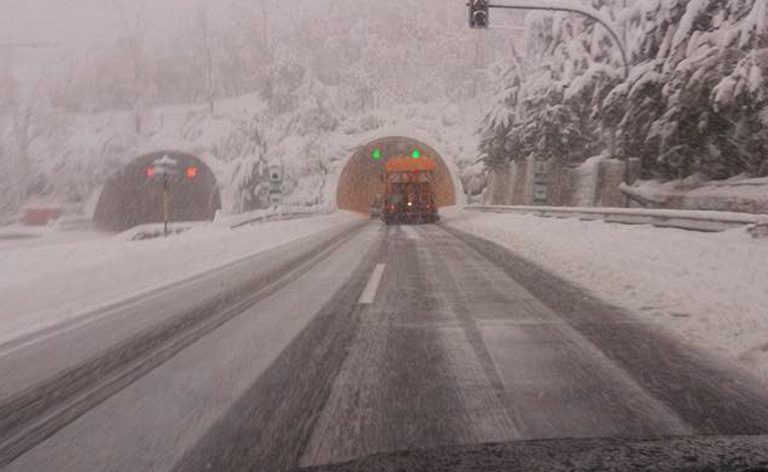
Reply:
x=373, y=285
x=411, y=233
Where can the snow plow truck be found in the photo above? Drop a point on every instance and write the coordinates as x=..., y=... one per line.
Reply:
x=408, y=192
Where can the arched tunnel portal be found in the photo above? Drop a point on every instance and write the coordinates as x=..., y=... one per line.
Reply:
x=133, y=196
x=360, y=181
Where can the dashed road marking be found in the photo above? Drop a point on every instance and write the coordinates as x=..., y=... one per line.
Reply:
x=411, y=233
x=373, y=285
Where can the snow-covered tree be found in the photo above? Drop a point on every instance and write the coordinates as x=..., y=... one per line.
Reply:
x=248, y=175
x=23, y=112
x=499, y=144
x=131, y=43
x=549, y=103
x=695, y=101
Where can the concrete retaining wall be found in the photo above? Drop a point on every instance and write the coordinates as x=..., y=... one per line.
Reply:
x=594, y=183
x=598, y=182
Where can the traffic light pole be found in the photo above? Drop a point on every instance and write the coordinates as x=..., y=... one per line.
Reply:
x=559, y=6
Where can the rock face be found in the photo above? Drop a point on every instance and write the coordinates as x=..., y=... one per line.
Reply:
x=132, y=197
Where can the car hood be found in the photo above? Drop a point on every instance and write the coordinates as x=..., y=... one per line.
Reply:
x=715, y=453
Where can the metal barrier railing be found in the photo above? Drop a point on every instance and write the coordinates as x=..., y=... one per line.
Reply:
x=695, y=220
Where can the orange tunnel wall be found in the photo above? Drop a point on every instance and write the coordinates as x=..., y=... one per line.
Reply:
x=360, y=180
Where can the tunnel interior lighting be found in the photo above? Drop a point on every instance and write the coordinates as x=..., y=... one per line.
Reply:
x=376, y=154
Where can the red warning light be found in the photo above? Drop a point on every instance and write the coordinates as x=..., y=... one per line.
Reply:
x=150, y=172
x=191, y=172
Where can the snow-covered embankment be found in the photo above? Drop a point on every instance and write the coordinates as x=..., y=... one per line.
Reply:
x=42, y=286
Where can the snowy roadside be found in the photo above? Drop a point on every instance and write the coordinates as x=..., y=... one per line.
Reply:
x=709, y=288
x=17, y=236
x=41, y=286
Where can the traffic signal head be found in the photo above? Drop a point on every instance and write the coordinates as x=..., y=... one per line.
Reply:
x=191, y=173
x=479, y=13
x=376, y=154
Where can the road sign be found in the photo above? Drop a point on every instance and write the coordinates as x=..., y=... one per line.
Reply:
x=164, y=167
x=275, y=185
x=275, y=174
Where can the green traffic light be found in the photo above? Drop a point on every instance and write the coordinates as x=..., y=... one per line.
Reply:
x=376, y=154
x=416, y=154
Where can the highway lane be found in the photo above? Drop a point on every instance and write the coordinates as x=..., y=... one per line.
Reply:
x=469, y=343
x=62, y=346
x=457, y=352
x=402, y=338
x=69, y=373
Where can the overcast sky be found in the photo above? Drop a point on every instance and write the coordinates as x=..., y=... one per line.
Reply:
x=77, y=26
x=79, y=21
x=53, y=20
x=74, y=22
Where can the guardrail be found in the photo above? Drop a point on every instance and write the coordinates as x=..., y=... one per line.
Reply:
x=73, y=223
x=695, y=220
x=261, y=216
x=155, y=230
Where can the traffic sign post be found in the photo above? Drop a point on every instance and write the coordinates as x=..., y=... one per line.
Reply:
x=275, y=185
x=166, y=168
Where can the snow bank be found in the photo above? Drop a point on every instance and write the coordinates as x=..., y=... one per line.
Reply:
x=737, y=194
x=709, y=288
x=44, y=285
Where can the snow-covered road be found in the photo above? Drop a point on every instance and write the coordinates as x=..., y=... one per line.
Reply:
x=709, y=289
x=361, y=339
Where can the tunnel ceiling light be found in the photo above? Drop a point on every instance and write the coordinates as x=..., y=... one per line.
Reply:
x=376, y=154
x=416, y=154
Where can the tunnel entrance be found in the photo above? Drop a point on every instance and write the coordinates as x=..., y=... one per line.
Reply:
x=360, y=181
x=132, y=197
